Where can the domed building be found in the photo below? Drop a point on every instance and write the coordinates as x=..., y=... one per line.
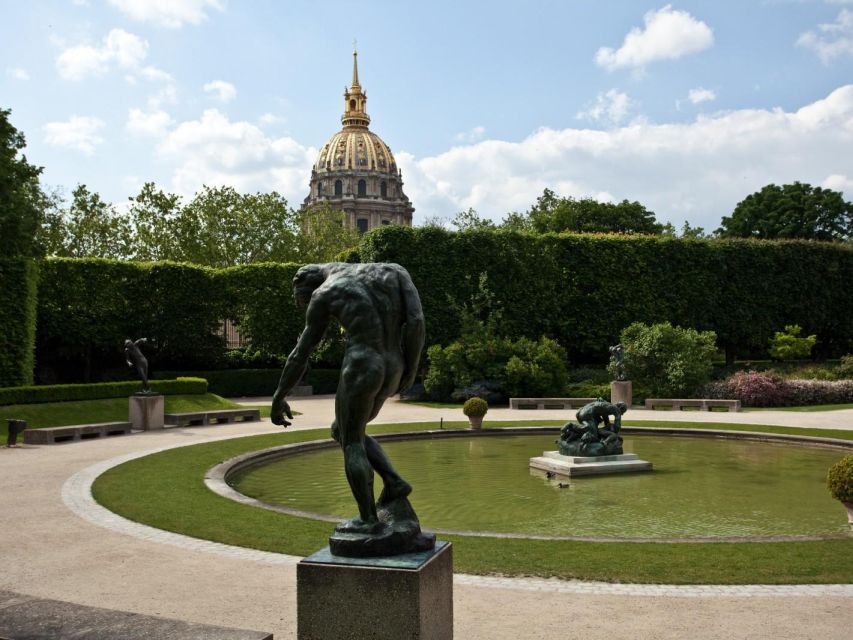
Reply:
x=356, y=171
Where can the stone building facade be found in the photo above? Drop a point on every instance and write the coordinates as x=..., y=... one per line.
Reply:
x=355, y=171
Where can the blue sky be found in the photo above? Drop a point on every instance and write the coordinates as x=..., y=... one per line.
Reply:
x=687, y=107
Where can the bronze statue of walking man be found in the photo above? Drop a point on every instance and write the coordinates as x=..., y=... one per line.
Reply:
x=379, y=309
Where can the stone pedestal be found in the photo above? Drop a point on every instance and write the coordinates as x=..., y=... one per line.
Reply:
x=405, y=597
x=145, y=412
x=570, y=466
x=621, y=390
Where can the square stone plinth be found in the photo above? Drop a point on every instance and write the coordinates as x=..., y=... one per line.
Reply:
x=405, y=597
x=145, y=412
x=621, y=391
x=570, y=466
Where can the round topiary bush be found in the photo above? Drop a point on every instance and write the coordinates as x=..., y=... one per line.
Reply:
x=475, y=407
x=840, y=479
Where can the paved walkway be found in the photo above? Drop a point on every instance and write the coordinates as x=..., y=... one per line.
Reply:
x=59, y=544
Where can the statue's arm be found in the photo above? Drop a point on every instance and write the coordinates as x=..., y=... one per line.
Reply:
x=414, y=331
x=316, y=321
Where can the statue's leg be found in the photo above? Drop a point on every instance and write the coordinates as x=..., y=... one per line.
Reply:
x=393, y=486
x=357, y=389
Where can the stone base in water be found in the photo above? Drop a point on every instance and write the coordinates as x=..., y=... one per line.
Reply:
x=572, y=466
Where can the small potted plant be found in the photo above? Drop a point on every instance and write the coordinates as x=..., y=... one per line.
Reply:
x=475, y=408
x=840, y=483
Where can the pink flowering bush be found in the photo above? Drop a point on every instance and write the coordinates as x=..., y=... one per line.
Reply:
x=763, y=389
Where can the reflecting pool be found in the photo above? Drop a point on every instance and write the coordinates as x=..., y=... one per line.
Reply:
x=700, y=487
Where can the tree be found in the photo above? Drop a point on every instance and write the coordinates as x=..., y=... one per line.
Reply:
x=671, y=362
x=153, y=217
x=515, y=221
x=789, y=345
x=796, y=210
x=222, y=228
x=22, y=202
x=554, y=213
x=469, y=220
x=323, y=234
x=92, y=227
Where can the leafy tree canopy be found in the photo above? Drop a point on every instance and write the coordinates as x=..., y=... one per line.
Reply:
x=555, y=213
x=22, y=202
x=796, y=210
x=218, y=227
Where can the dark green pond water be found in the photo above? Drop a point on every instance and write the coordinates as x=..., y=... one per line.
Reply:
x=699, y=488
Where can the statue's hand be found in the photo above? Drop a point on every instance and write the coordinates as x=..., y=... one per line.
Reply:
x=279, y=409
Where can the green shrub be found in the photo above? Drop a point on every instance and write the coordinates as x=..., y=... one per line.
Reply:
x=18, y=282
x=97, y=391
x=475, y=407
x=670, y=361
x=839, y=479
x=845, y=369
x=788, y=345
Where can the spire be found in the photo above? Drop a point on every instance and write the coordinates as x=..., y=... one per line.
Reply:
x=355, y=100
x=354, y=66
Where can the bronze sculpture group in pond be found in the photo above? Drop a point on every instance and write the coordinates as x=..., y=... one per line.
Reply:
x=594, y=434
x=378, y=307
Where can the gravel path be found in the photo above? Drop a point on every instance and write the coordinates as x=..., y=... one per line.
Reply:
x=59, y=544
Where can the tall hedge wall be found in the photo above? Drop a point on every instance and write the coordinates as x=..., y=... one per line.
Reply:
x=86, y=308
x=584, y=289
x=579, y=289
x=18, y=287
x=260, y=298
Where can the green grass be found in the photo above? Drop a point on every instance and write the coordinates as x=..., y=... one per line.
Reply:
x=166, y=490
x=59, y=414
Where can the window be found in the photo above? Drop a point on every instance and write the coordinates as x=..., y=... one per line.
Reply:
x=361, y=223
x=319, y=188
x=339, y=187
x=386, y=222
x=383, y=189
x=352, y=105
x=362, y=188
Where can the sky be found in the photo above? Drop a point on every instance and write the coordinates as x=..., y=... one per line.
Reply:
x=685, y=107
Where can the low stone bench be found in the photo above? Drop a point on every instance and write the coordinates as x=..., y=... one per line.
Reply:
x=221, y=416
x=54, y=435
x=678, y=404
x=549, y=403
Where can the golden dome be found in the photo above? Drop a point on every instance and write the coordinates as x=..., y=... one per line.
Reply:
x=355, y=149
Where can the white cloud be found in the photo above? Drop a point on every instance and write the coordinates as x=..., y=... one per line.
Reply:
x=838, y=182
x=221, y=90
x=78, y=132
x=611, y=107
x=119, y=49
x=696, y=171
x=832, y=40
x=474, y=135
x=17, y=73
x=213, y=150
x=668, y=34
x=152, y=123
x=700, y=95
x=168, y=13
x=270, y=118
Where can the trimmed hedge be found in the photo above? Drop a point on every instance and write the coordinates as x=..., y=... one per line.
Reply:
x=87, y=307
x=260, y=299
x=98, y=391
x=584, y=289
x=18, y=295
x=237, y=383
